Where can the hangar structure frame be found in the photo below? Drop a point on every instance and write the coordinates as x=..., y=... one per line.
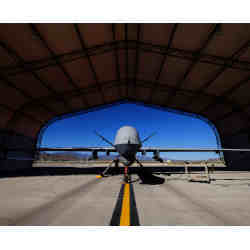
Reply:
x=51, y=70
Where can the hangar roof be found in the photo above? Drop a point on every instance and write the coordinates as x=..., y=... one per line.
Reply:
x=47, y=70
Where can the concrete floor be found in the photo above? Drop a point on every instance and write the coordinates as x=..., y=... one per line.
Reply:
x=178, y=202
x=86, y=200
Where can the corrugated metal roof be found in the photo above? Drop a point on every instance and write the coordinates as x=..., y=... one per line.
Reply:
x=47, y=70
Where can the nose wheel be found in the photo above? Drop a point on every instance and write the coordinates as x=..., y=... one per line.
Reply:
x=127, y=177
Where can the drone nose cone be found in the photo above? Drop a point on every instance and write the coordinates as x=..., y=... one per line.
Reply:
x=128, y=151
x=127, y=135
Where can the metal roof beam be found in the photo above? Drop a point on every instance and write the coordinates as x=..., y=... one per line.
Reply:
x=137, y=55
x=36, y=32
x=240, y=131
x=89, y=61
x=22, y=62
x=228, y=92
x=17, y=113
x=101, y=49
x=116, y=58
x=236, y=109
x=10, y=84
x=23, y=113
x=71, y=93
x=170, y=88
x=10, y=51
x=147, y=84
x=171, y=38
x=227, y=64
x=240, y=108
x=20, y=111
x=126, y=42
x=197, y=56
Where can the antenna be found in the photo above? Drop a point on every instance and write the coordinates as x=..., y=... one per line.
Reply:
x=148, y=137
x=104, y=139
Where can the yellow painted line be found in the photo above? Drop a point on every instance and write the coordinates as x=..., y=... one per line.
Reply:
x=125, y=213
x=98, y=176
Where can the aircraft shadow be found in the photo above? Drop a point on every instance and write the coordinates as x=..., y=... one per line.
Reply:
x=50, y=171
x=60, y=170
x=145, y=175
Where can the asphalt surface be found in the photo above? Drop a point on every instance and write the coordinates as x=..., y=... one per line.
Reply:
x=85, y=200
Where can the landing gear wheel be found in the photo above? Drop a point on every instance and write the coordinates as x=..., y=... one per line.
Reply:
x=126, y=175
x=103, y=174
x=127, y=179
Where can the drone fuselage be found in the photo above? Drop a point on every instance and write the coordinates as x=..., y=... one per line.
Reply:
x=127, y=143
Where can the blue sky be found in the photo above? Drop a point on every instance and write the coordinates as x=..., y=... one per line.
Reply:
x=173, y=130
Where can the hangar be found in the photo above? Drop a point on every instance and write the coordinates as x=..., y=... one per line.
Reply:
x=50, y=70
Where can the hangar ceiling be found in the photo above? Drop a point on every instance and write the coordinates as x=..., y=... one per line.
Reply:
x=47, y=70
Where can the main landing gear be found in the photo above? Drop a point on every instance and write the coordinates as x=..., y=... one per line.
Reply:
x=116, y=162
x=126, y=178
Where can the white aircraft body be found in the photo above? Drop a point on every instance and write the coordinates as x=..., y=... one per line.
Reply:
x=127, y=144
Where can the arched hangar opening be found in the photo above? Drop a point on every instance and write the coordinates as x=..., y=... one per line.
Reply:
x=172, y=128
x=48, y=70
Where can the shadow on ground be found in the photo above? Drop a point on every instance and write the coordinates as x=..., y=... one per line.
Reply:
x=61, y=170
x=50, y=171
x=144, y=174
x=147, y=177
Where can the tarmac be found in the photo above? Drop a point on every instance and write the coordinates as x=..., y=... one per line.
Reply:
x=87, y=200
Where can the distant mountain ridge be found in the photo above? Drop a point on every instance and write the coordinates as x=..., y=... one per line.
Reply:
x=81, y=156
x=76, y=156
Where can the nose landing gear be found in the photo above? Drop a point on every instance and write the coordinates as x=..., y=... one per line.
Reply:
x=127, y=177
